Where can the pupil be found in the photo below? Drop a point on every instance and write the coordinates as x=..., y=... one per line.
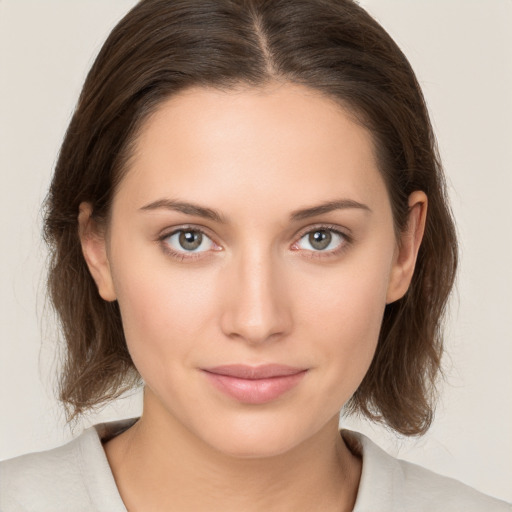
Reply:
x=190, y=240
x=320, y=239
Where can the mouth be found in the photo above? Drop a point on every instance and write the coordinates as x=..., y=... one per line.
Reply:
x=254, y=384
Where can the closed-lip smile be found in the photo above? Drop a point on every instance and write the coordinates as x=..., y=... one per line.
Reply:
x=254, y=384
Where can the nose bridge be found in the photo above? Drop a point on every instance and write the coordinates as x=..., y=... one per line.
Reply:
x=255, y=306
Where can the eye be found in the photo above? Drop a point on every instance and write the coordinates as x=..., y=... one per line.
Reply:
x=188, y=240
x=322, y=239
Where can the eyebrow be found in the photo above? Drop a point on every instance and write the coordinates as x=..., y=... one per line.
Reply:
x=187, y=208
x=328, y=206
x=214, y=215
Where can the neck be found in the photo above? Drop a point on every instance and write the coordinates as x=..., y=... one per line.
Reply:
x=158, y=462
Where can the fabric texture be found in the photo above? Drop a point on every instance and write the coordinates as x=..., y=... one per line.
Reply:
x=77, y=477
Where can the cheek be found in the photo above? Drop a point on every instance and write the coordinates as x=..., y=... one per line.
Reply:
x=171, y=314
x=344, y=319
x=165, y=315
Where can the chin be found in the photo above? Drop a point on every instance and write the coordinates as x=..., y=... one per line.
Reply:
x=249, y=438
x=242, y=447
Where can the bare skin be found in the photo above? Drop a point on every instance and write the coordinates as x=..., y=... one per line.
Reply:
x=257, y=289
x=315, y=476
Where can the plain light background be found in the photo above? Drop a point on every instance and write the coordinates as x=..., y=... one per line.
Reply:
x=461, y=51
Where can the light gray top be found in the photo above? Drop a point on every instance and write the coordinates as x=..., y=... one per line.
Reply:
x=77, y=477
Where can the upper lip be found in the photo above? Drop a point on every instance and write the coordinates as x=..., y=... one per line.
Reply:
x=249, y=372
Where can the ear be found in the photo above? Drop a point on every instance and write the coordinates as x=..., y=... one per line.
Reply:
x=94, y=249
x=408, y=247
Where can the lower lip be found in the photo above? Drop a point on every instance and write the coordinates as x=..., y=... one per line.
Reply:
x=254, y=391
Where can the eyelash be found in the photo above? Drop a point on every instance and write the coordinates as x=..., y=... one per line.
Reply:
x=190, y=256
x=344, y=244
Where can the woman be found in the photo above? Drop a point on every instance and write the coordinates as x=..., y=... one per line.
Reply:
x=248, y=216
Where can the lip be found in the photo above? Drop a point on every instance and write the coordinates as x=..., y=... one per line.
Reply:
x=254, y=384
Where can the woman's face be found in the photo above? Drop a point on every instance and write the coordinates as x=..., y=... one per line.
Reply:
x=252, y=228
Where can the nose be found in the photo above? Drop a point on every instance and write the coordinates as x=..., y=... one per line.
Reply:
x=255, y=306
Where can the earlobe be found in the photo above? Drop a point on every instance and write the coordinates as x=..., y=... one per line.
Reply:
x=407, y=251
x=94, y=249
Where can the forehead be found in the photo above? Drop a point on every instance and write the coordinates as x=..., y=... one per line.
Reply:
x=283, y=141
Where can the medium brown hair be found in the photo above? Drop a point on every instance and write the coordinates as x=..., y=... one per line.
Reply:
x=332, y=46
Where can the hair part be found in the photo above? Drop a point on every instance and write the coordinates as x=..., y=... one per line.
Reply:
x=330, y=46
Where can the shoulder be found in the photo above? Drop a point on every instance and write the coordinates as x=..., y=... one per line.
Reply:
x=427, y=487
x=388, y=483
x=75, y=476
x=51, y=477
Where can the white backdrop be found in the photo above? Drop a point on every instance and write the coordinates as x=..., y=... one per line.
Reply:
x=462, y=53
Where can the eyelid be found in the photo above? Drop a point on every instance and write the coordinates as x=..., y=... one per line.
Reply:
x=348, y=239
x=185, y=255
x=188, y=255
x=345, y=232
x=167, y=232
